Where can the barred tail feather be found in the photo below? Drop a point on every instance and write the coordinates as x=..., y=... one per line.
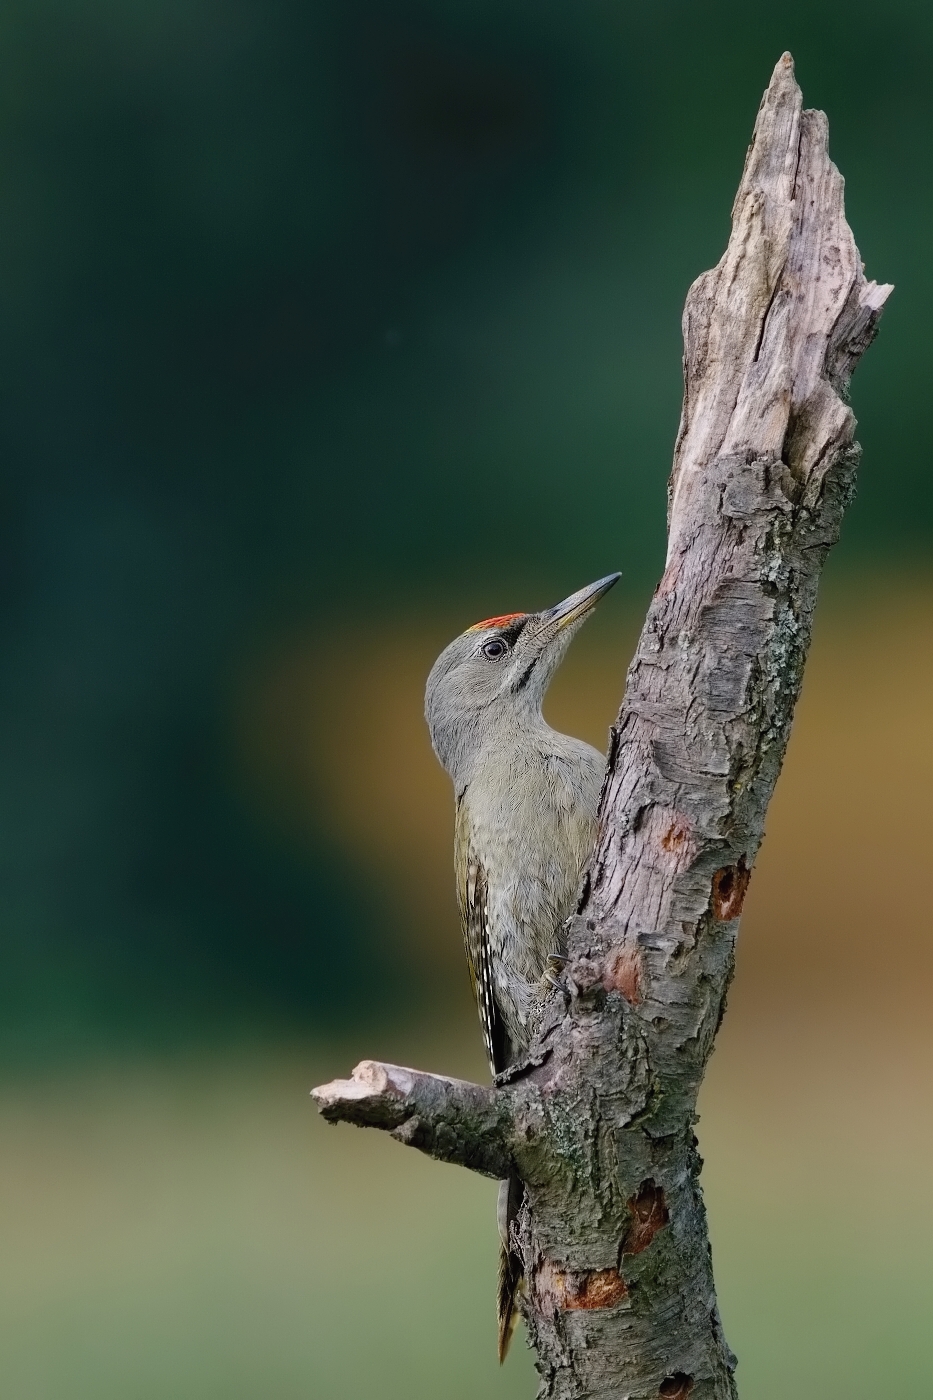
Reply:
x=510, y=1279
x=511, y=1195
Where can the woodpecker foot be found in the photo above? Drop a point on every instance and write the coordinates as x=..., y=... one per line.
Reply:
x=552, y=979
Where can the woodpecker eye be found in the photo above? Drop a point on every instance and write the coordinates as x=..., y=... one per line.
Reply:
x=495, y=648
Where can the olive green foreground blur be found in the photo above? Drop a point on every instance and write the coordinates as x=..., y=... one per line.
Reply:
x=189, y=1226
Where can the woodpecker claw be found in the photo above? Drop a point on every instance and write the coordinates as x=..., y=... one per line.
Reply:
x=553, y=975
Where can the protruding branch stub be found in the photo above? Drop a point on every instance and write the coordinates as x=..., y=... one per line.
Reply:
x=449, y=1119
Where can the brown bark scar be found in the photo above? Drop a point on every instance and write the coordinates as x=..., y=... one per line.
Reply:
x=676, y=1387
x=623, y=974
x=649, y=1214
x=676, y=835
x=729, y=887
x=559, y=1290
x=600, y=1289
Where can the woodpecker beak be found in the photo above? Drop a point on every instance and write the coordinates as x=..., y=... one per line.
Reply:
x=576, y=607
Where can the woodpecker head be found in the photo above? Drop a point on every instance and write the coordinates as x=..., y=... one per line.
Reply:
x=491, y=680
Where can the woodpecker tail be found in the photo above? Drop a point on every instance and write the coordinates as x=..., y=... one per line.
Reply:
x=511, y=1195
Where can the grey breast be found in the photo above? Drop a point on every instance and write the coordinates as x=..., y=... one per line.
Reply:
x=529, y=823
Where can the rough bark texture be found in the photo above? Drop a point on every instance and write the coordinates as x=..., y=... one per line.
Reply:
x=599, y=1120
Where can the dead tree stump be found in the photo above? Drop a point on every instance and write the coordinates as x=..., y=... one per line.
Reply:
x=598, y=1122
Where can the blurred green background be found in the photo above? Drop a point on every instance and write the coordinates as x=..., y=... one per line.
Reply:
x=326, y=328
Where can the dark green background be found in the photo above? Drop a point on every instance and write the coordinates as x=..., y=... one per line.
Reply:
x=307, y=308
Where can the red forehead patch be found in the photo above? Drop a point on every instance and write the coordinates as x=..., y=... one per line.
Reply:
x=494, y=622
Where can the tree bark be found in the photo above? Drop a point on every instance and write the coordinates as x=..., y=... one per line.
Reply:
x=598, y=1122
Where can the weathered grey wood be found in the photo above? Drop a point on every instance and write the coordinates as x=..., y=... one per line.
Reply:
x=599, y=1122
x=446, y=1118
